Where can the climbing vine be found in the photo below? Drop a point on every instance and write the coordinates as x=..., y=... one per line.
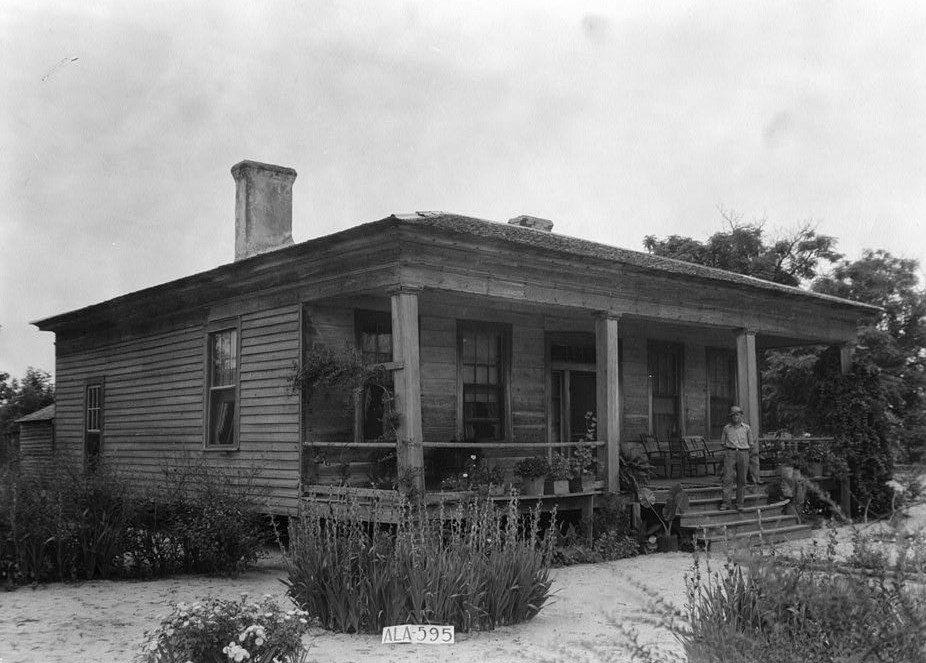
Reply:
x=343, y=370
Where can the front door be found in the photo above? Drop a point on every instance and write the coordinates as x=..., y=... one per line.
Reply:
x=574, y=396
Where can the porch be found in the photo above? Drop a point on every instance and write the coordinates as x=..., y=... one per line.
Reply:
x=483, y=381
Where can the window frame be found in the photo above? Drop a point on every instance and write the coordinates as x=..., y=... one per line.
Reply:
x=364, y=317
x=212, y=330
x=97, y=384
x=505, y=349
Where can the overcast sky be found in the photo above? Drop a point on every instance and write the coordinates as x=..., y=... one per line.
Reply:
x=121, y=120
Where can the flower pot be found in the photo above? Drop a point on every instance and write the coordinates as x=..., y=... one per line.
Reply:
x=816, y=469
x=561, y=486
x=532, y=486
x=667, y=543
x=787, y=472
x=588, y=483
x=496, y=490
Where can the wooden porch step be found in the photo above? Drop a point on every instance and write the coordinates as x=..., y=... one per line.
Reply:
x=714, y=516
x=700, y=505
x=717, y=543
x=746, y=525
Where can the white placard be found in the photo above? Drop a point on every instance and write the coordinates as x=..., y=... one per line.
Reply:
x=418, y=634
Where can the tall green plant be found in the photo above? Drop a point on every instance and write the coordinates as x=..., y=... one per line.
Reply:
x=474, y=566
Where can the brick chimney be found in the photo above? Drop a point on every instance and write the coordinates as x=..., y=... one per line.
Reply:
x=263, y=208
x=535, y=222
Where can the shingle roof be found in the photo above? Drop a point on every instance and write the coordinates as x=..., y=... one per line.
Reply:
x=47, y=413
x=537, y=240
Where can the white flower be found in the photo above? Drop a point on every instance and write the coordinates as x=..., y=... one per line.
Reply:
x=236, y=653
x=896, y=486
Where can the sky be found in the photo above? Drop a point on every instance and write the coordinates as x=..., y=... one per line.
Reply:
x=120, y=122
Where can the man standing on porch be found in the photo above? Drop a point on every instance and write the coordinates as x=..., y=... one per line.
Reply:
x=737, y=442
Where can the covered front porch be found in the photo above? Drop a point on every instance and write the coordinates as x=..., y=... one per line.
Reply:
x=479, y=383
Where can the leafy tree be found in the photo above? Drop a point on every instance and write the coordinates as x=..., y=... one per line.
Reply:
x=17, y=399
x=896, y=343
x=791, y=258
x=880, y=407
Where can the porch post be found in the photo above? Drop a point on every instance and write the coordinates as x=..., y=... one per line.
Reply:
x=407, y=382
x=747, y=379
x=845, y=358
x=608, y=396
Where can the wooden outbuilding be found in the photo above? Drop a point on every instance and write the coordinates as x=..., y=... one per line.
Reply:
x=36, y=443
x=500, y=337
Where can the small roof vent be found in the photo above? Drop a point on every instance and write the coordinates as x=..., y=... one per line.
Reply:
x=535, y=222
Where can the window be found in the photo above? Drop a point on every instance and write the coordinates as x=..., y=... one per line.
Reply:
x=223, y=388
x=374, y=338
x=483, y=361
x=665, y=376
x=93, y=423
x=721, y=387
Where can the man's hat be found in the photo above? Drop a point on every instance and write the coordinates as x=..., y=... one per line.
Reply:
x=736, y=410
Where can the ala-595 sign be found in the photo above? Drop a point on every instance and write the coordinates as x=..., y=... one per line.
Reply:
x=418, y=634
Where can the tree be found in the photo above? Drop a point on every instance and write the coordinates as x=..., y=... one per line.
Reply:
x=896, y=343
x=17, y=399
x=791, y=258
x=880, y=407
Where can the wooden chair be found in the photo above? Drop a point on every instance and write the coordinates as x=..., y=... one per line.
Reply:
x=694, y=454
x=655, y=454
x=711, y=457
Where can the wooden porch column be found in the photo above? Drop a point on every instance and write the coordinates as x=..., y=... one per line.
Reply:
x=747, y=379
x=608, y=397
x=845, y=358
x=407, y=382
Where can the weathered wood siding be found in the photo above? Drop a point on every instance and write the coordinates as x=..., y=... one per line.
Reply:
x=154, y=398
x=634, y=389
x=36, y=447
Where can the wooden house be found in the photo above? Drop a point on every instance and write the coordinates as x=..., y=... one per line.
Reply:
x=500, y=338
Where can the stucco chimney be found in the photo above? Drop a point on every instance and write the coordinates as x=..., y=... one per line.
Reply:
x=535, y=222
x=263, y=208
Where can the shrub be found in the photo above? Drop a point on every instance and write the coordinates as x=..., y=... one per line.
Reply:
x=199, y=519
x=473, y=567
x=217, y=631
x=774, y=608
x=70, y=524
x=63, y=525
x=613, y=536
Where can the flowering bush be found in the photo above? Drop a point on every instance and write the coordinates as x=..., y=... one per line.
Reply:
x=217, y=631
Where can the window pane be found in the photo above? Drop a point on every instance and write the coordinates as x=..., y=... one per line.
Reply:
x=222, y=416
x=224, y=358
x=482, y=361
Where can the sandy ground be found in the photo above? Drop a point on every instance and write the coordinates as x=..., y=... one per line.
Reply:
x=104, y=622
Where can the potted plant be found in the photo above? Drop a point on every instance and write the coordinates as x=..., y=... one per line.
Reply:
x=584, y=468
x=532, y=470
x=815, y=455
x=559, y=473
x=787, y=464
x=676, y=504
x=488, y=480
